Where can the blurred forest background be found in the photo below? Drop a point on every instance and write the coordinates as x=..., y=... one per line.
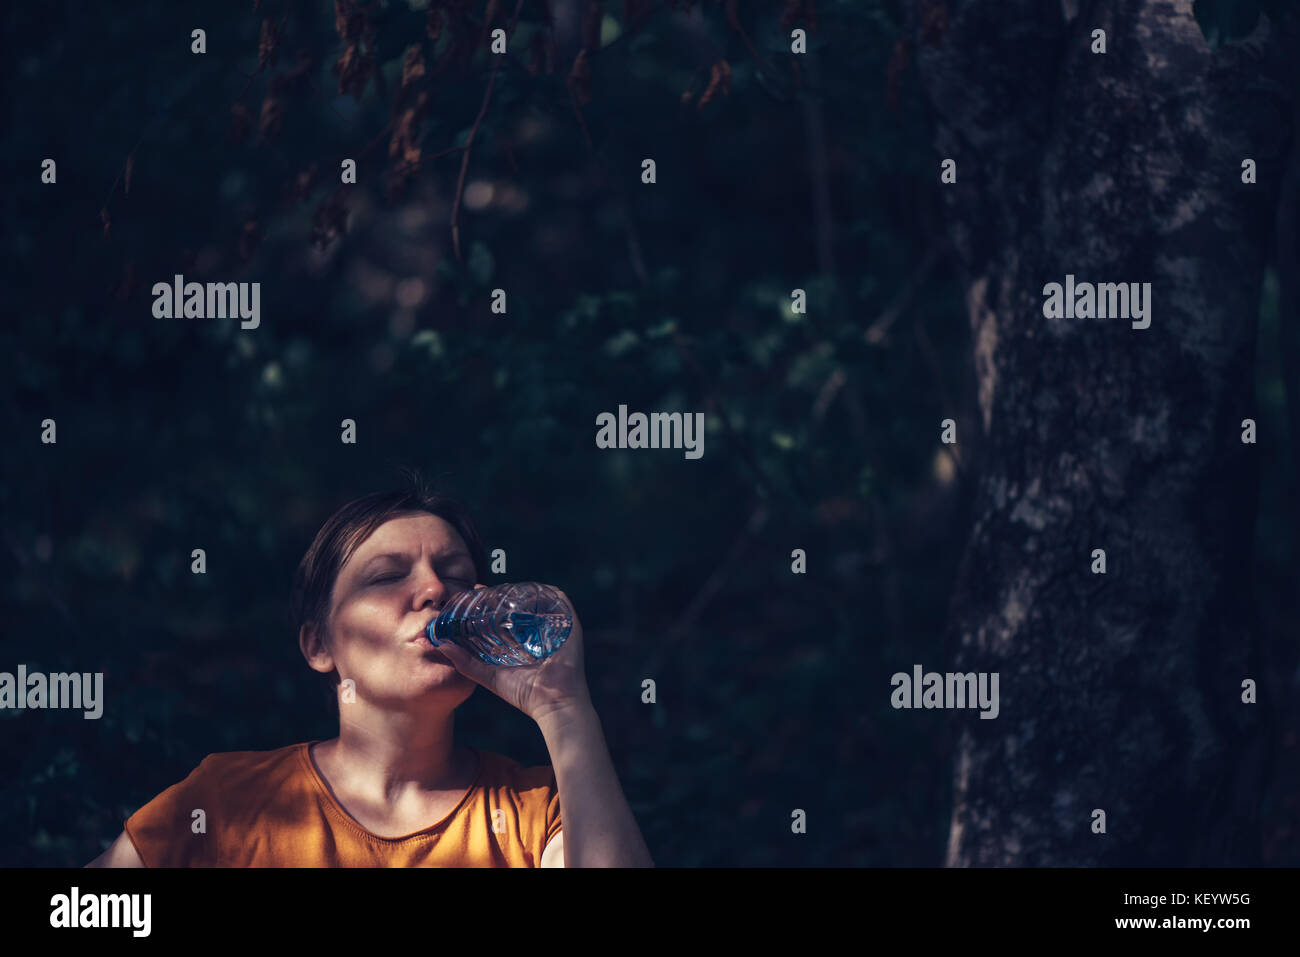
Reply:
x=774, y=173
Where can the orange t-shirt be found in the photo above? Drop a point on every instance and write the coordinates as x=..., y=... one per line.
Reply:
x=273, y=809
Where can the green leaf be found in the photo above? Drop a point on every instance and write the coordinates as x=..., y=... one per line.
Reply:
x=429, y=340
x=480, y=262
x=610, y=30
x=665, y=328
x=622, y=343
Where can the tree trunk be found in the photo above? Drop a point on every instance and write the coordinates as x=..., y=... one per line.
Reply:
x=1119, y=691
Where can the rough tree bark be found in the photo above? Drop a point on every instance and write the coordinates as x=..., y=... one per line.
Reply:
x=1119, y=691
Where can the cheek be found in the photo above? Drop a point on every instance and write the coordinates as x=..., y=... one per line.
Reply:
x=371, y=614
x=364, y=630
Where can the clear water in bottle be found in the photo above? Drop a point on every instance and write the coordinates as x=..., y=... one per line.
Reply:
x=512, y=624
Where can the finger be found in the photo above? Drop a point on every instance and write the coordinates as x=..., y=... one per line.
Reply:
x=458, y=656
x=469, y=665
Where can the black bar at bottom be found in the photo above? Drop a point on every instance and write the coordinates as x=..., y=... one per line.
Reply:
x=327, y=907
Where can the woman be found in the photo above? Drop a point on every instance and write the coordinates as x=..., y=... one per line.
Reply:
x=394, y=789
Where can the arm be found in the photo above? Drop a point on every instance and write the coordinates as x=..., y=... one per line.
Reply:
x=599, y=829
x=121, y=853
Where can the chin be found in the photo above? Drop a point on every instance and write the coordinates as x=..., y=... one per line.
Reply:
x=440, y=674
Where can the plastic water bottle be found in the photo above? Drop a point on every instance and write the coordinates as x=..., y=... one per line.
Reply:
x=513, y=624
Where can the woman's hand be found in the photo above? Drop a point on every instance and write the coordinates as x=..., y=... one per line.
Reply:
x=536, y=690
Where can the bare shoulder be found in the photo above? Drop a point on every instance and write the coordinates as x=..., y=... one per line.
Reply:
x=121, y=853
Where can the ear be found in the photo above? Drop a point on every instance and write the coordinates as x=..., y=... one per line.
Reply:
x=314, y=650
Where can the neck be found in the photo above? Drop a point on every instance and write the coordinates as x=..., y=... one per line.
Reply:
x=391, y=754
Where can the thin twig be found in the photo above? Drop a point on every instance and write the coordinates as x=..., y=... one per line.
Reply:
x=814, y=120
x=763, y=67
x=753, y=525
x=464, y=163
x=377, y=138
x=469, y=142
x=932, y=363
x=826, y=395
x=415, y=164
x=757, y=519
x=577, y=110
x=878, y=330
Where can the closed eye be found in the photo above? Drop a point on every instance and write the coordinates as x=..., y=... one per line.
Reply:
x=397, y=578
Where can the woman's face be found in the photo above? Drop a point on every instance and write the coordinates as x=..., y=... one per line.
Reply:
x=394, y=584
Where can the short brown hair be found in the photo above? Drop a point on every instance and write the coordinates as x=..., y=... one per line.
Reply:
x=345, y=530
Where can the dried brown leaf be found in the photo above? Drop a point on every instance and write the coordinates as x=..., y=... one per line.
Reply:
x=126, y=285
x=249, y=239
x=354, y=69
x=733, y=15
x=305, y=182
x=719, y=79
x=412, y=67
x=591, y=24
x=791, y=15
x=403, y=146
x=934, y=21
x=894, y=74
x=412, y=75
x=637, y=12
x=539, y=60
x=267, y=44
x=272, y=119
x=330, y=220
x=348, y=20
x=580, y=79
x=241, y=122
x=799, y=12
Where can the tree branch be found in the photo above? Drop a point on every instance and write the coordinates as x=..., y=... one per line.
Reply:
x=469, y=142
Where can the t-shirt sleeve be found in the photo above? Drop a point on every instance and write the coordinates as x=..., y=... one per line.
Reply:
x=164, y=830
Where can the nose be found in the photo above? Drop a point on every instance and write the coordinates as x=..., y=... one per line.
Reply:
x=430, y=590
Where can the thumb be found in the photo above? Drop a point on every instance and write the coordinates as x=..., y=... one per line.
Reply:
x=458, y=656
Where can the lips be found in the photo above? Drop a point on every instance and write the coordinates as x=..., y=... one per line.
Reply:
x=422, y=638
